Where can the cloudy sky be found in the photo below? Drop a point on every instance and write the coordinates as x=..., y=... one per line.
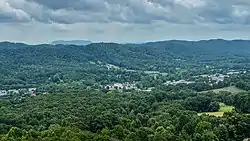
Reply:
x=42, y=21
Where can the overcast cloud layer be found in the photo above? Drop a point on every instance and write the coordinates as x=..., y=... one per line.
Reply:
x=38, y=21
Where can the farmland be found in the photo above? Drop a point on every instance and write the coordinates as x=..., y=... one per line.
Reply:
x=231, y=89
x=221, y=112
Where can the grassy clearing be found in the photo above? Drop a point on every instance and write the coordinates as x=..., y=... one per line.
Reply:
x=221, y=112
x=226, y=109
x=217, y=114
x=231, y=89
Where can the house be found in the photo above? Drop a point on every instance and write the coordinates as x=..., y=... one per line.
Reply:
x=3, y=92
x=32, y=89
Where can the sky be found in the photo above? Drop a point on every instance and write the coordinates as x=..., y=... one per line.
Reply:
x=43, y=21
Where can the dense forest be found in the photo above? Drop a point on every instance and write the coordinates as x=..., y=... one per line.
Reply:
x=25, y=65
x=158, y=91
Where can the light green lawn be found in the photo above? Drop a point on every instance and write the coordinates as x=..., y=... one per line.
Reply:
x=226, y=109
x=220, y=113
x=217, y=114
x=231, y=89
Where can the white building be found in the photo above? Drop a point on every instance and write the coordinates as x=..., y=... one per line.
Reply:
x=120, y=86
x=3, y=92
x=179, y=82
x=32, y=89
x=218, y=77
x=13, y=91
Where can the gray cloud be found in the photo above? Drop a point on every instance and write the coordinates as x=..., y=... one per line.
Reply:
x=126, y=11
x=123, y=20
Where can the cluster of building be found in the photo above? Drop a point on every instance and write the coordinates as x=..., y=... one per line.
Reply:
x=31, y=91
x=231, y=72
x=217, y=78
x=121, y=86
x=178, y=82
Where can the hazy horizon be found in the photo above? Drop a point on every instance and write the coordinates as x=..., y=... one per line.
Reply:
x=135, y=42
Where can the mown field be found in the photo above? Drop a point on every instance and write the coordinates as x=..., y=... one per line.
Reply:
x=220, y=113
x=231, y=89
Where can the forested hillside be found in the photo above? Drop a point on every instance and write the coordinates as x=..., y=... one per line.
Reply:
x=159, y=91
x=158, y=56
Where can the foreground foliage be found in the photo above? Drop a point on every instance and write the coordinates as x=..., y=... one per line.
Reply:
x=94, y=115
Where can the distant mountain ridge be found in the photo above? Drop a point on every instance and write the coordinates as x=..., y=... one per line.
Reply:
x=71, y=42
x=165, y=56
x=157, y=55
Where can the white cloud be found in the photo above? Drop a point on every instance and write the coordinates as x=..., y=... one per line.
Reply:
x=191, y=3
x=12, y=14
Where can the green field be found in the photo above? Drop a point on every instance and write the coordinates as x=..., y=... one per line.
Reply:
x=220, y=113
x=231, y=89
x=226, y=109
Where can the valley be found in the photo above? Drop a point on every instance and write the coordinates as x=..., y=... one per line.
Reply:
x=169, y=90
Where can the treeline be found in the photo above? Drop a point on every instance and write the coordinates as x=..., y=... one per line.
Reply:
x=243, y=81
x=94, y=115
